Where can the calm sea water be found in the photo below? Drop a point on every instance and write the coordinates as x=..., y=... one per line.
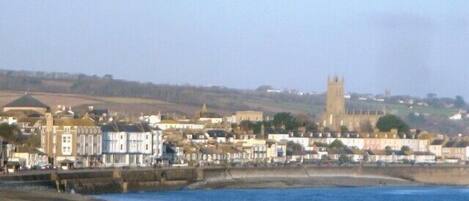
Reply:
x=304, y=194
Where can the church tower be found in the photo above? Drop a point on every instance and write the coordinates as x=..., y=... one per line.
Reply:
x=334, y=113
x=335, y=101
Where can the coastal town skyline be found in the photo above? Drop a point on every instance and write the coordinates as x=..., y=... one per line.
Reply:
x=276, y=100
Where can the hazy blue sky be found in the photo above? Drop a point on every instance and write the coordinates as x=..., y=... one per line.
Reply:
x=409, y=47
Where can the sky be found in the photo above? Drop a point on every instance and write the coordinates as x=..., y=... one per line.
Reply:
x=408, y=47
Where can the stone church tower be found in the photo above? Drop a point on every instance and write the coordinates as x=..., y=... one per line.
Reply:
x=336, y=113
x=335, y=103
x=335, y=96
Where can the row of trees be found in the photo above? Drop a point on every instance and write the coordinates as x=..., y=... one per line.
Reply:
x=282, y=122
x=286, y=122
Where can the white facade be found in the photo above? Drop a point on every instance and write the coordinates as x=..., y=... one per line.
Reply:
x=128, y=146
x=435, y=149
x=89, y=146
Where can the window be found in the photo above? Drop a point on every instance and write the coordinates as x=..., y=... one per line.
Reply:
x=146, y=147
x=122, y=147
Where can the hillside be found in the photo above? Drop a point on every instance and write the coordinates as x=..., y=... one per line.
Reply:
x=134, y=98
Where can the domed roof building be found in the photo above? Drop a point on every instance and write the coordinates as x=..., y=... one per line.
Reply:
x=26, y=103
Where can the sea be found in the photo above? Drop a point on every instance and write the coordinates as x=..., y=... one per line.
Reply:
x=428, y=193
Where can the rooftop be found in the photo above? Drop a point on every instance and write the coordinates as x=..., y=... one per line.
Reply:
x=27, y=101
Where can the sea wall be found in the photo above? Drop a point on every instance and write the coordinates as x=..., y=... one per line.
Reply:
x=430, y=175
x=124, y=180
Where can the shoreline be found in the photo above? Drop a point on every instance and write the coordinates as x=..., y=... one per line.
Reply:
x=23, y=195
x=92, y=182
x=301, y=182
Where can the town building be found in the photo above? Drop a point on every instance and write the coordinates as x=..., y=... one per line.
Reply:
x=69, y=139
x=253, y=116
x=26, y=103
x=337, y=115
x=28, y=157
x=89, y=146
x=456, y=149
x=130, y=145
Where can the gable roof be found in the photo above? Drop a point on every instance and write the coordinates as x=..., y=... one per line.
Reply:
x=27, y=101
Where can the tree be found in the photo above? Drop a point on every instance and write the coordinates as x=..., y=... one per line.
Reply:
x=388, y=150
x=286, y=120
x=12, y=134
x=294, y=149
x=459, y=102
x=337, y=144
x=366, y=156
x=343, y=159
x=307, y=122
x=388, y=122
x=406, y=150
x=344, y=129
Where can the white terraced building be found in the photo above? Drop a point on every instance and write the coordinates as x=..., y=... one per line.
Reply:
x=130, y=145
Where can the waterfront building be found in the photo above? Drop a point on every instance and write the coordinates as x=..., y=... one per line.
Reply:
x=256, y=149
x=60, y=139
x=436, y=147
x=456, y=149
x=130, y=145
x=28, y=157
x=375, y=156
x=375, y=141
x=276, y=151
x=418, y=145
x=337, y=115
x=89, y=146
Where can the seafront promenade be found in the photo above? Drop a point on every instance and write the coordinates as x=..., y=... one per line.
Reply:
x=97, y=181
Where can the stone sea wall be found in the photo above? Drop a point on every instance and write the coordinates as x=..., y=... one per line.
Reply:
x=150, y=179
